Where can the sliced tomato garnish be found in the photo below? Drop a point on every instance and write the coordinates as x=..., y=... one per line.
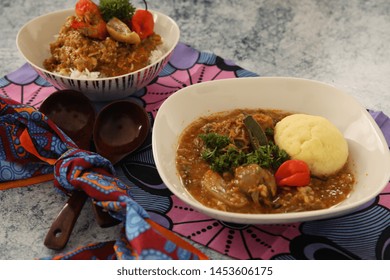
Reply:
x=293, y=173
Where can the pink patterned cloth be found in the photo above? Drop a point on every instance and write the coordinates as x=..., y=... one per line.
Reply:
x=364, y=234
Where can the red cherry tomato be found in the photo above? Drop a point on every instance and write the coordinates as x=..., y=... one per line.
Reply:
x=293, y=173
x=142, y=23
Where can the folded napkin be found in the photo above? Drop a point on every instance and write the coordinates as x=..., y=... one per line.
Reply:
x=364, y=234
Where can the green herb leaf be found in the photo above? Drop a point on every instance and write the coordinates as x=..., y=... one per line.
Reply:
x=268, y=156
x=214, y=140
x=224, y=157
x=121, y=9
x=256, y=133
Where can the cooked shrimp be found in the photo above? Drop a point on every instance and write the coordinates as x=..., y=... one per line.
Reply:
x=257, y=182
x=89, y=20
x=216, y=186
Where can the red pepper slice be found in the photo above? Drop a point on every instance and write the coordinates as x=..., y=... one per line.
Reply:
x=142, y=23
x=293, y=173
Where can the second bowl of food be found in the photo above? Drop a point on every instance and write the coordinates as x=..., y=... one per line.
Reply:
x=269, y=150
x=89, y=50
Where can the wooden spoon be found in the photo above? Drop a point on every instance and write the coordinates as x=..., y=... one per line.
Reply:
x=73, y=113
x=120, y=128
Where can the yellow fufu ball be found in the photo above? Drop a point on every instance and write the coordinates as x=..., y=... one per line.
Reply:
x=315, y=140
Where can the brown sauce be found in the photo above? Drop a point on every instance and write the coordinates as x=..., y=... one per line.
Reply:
x=319, y=194
x=72, y=50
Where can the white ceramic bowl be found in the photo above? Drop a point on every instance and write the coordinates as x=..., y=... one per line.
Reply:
x=33, y=41
x=368, y=148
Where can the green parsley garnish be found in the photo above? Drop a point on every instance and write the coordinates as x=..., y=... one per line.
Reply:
x=224, y=156
x=121, y=9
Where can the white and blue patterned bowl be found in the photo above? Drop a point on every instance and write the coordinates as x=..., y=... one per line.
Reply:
x=33, y=42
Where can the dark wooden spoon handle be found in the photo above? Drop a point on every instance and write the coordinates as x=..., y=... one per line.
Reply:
x=61, y=228
x=103, y=218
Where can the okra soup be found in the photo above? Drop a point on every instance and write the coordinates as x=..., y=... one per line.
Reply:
x=264, y=161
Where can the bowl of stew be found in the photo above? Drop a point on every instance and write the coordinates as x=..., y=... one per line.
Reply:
x=100, y=67
x=245, y=191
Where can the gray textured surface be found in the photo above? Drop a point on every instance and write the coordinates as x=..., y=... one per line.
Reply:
x=344, y=43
